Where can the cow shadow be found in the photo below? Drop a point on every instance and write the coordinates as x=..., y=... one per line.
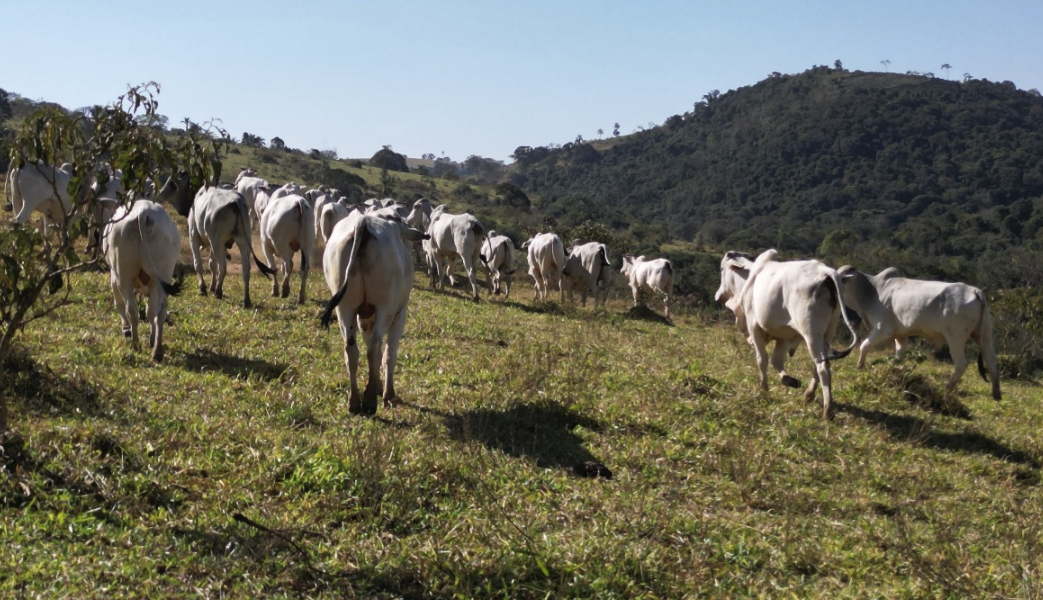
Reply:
x=544, y=432
x=203, y=359
x=643, y=313
x=911, y=428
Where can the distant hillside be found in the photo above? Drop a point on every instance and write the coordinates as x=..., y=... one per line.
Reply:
x=878, y=163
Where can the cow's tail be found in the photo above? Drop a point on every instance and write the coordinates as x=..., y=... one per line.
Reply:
x=481, y=255
x=358, y=239
x=171, y=288
x=8, y=184
x=303, y=208
x=243, y=214
x=836, y=300
x=479, y=233
x=987, y=362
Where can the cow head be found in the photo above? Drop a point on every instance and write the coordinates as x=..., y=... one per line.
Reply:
x=735, y=268
x=177, y=192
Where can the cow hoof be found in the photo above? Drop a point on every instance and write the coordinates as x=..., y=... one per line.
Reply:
x=790, y=381
x=202, y=290
x=219, y=294
x=126, y=332
x=247, y=304
x=8, y=207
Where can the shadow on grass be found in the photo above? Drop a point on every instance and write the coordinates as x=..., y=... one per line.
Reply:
x=35, y=389
x=906, y=427
x=643, y=313
x=542, y=431
x=233, y=366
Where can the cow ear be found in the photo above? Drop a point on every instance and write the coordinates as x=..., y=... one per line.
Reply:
x=736, y=265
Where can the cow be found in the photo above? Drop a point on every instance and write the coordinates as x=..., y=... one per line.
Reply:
x=546, y=254
x=498, y=258
x=896, y=308
x=787, y=302
x=107, y=189
x=217, y=218
x=249, y=184
x=38, y=186
x=319, y=200
x=142, y=246
x=368, y=269
x=330, y=215
x=587, y=267
x=654, y=276
x=287, y=227
x=451, y=237
x=419, y=218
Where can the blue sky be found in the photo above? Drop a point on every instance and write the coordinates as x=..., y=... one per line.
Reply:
x=469, y=77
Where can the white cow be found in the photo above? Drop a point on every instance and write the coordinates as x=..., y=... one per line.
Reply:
x=287, y=227
x=452, y=237
x=896, y=308
x=546, y=254
x=331, y=214
x=217, y=218
x=369, y=270
x=587, y=267
x=249, y=184
x=653, y=276
x=420, y=218
x=498, y=258
x=40, y=187
x=787, y=302
x=142, y=247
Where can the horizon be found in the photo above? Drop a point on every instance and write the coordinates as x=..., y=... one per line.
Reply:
x=468, y=78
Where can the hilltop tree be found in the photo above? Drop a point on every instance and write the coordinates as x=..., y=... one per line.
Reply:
x=35, y=268
x=278, y=144
x=886, y=63
x=615, y=130
x=386, y=158
x=946, y=67
x=252, y=141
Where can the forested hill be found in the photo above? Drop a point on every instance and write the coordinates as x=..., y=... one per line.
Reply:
x=907, y=163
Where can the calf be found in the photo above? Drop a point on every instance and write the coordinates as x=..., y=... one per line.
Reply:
x=653, y=276
x=896, y=308
x=498, y=258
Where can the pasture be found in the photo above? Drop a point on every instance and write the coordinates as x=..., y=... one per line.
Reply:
x=233, y=469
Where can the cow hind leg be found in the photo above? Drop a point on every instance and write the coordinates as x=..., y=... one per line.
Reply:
x=347, y=322
x=957, y=349
x=778, y=362
x=157, y=314
x=243, y=243
x=374, y=355
x=127, y=309
x=823, y=374
x=391, y=356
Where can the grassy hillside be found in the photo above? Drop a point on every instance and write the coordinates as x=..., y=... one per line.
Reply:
x=923, y=173
x=235, y=470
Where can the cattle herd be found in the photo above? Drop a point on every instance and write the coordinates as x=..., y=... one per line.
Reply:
x=370, y=251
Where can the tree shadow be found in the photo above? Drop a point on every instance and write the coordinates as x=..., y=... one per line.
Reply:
x=910, y=428
x=39, y=391
x=203, y=359
x=542, y=431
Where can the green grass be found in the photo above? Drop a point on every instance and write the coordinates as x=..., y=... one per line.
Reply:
x=233, y=469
